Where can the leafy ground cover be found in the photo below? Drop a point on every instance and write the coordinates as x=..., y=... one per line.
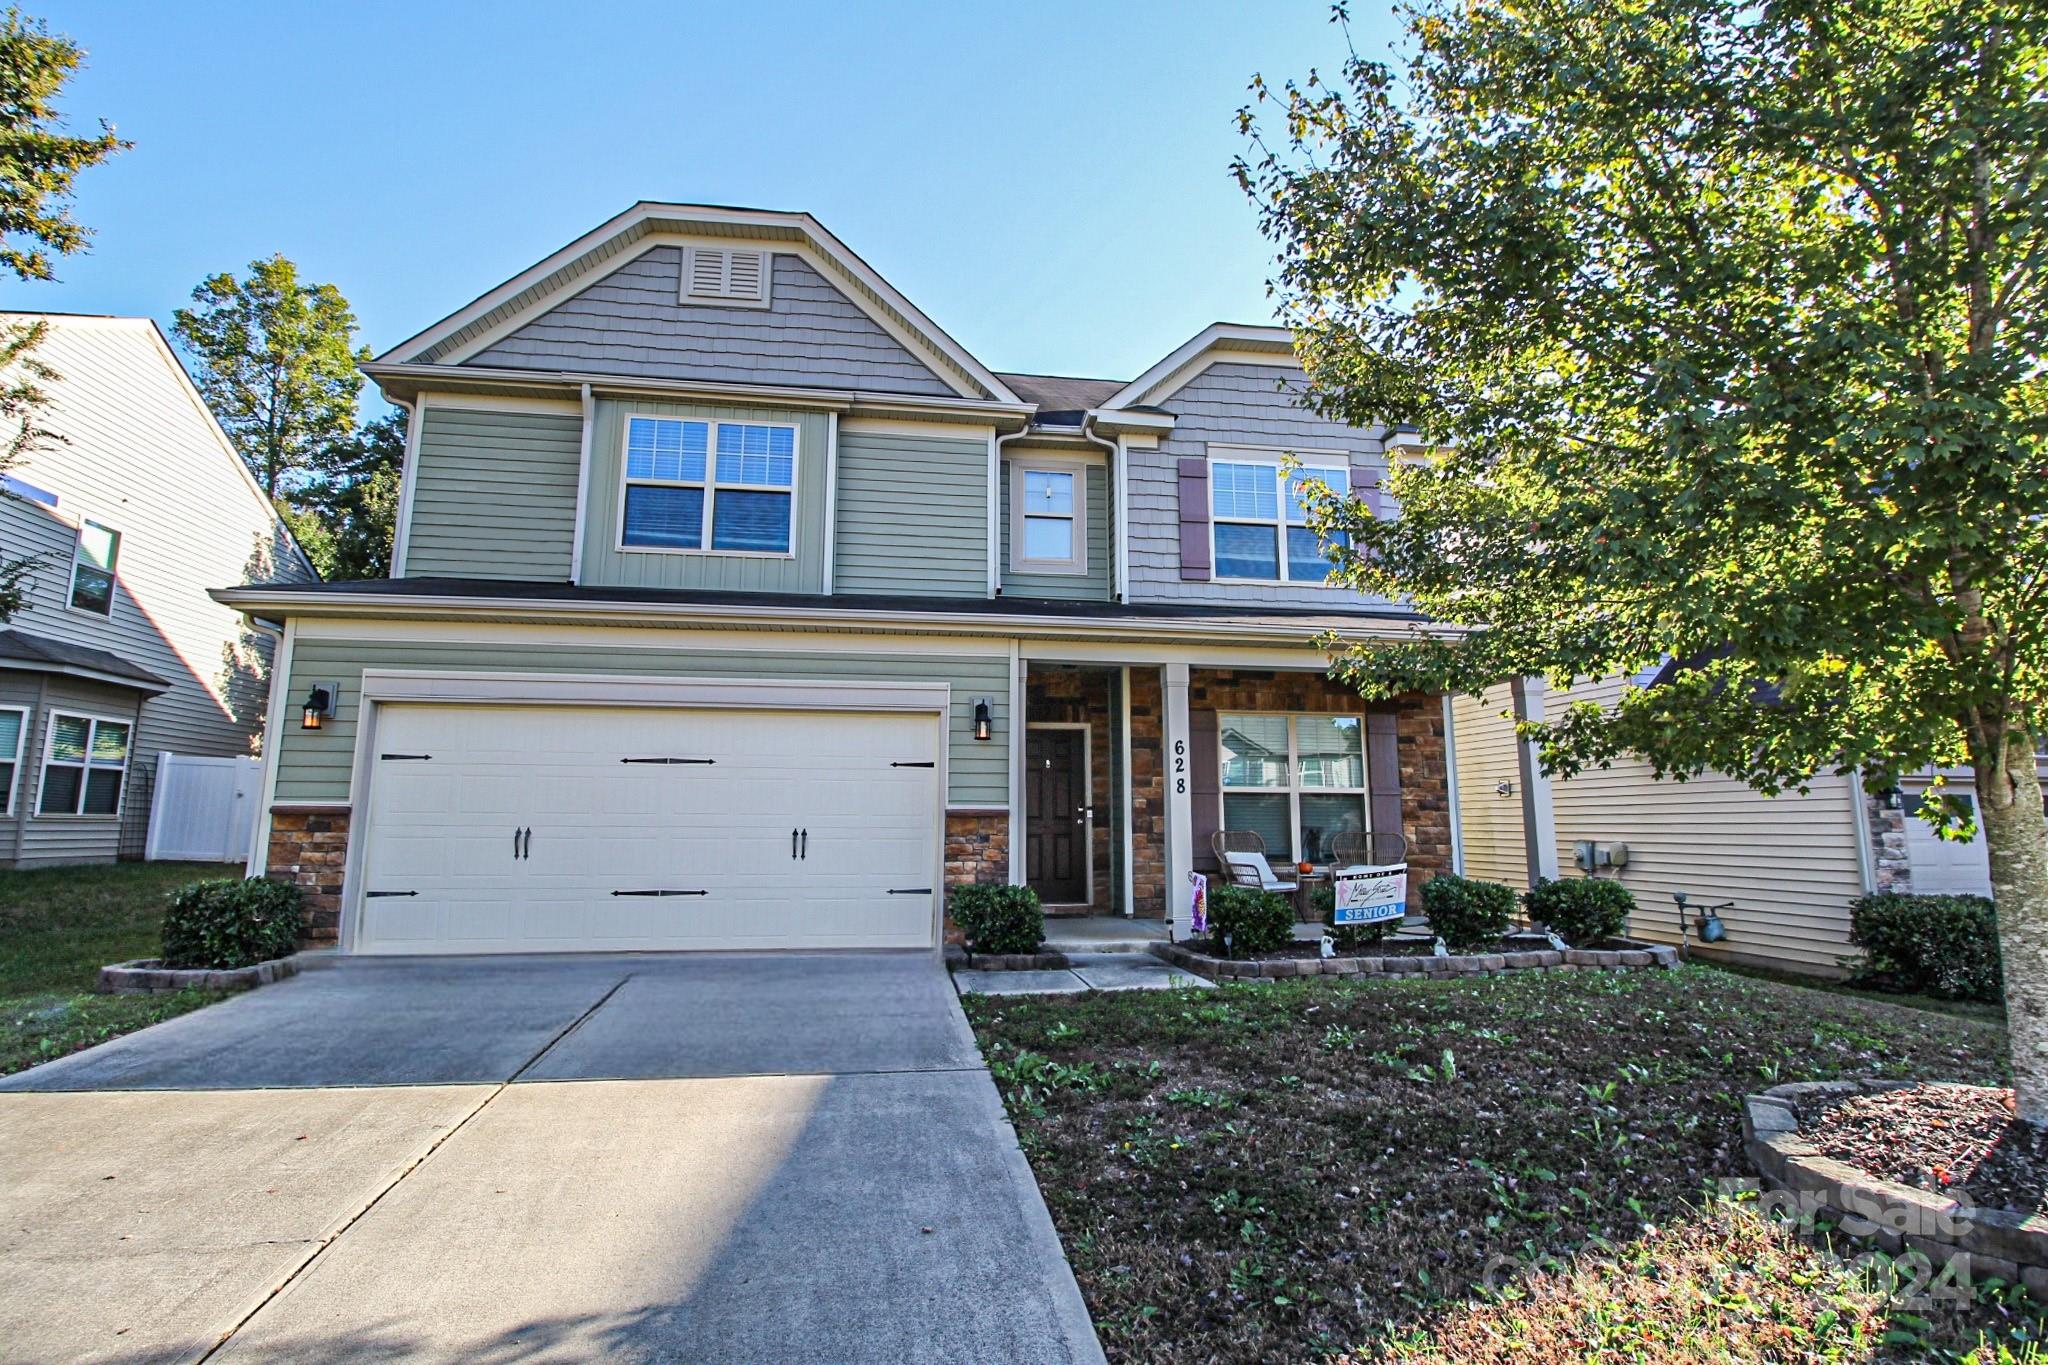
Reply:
x=1524, y=1167
x=58, y=927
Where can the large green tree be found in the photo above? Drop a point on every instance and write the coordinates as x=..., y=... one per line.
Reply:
x=277, y=362
x=1726, y=320
x=39, y=163
x=346, y=518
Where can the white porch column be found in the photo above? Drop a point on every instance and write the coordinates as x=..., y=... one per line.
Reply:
x=1180, y=808
x=1539, y=825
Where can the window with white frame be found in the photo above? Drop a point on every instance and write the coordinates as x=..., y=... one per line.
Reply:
x=1259, y=516
x=84, y=765
x=1297, y=781
x=1048, y=516
x=708, y=487
x=92, y=568
x=13, y=729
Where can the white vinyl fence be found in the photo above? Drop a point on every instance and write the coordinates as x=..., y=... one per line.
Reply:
x=204, y=808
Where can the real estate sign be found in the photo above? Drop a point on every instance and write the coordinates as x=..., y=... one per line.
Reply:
x=1371, y=895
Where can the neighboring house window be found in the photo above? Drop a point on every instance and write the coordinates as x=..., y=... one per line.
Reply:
x=722, y=487
x=13, y=726
x=1260, y=520
x=1296, y=781
x=84, y=766
x=1048, y=516
x=92, y=568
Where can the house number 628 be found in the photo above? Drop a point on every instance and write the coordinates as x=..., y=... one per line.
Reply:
x=1180, y=767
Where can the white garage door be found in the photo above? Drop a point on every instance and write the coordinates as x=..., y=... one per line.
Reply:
x=1945, y=867
x=550, y=829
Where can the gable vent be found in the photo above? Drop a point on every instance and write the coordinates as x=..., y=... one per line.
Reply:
x=725, y=274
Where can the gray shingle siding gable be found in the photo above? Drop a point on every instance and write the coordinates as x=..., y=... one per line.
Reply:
x=632, y=323
x=1229, y=404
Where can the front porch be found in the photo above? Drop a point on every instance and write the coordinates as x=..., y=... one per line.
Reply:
x=1121, y=773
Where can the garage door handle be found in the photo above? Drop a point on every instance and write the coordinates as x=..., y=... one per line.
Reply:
x=806, y=845
x=527, y=850
x=792, y=845
x=661, y=893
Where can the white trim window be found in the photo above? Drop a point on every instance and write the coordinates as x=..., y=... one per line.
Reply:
x=703, y=487
x=1297, y=781
x=13, y=732
x=1258, y=516
x=85, y=765
x=1048, y=515
x=93, y=559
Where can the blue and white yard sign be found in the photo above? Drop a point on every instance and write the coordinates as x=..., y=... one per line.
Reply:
x=1371, y=895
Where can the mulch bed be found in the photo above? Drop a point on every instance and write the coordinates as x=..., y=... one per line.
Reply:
x=1962, y=1139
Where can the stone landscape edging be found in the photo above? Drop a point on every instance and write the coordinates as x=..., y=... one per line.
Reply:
x=960, y=960
x=148, y=976
x=1636, y=957
x=1984, y=1243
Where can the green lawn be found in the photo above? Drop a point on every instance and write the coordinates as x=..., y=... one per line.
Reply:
x=1521, y=1167
x=58, y=927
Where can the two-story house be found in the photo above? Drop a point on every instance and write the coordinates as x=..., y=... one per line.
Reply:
x=736, y=605
x=134, y=508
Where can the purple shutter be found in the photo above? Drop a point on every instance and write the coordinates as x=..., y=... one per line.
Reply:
x=1205, y=787
x=1365, y=482
x=1194, y=519
x=1383, y=771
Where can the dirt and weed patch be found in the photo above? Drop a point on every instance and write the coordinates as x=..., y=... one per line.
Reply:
x=58, y=927
x=1374, y=1168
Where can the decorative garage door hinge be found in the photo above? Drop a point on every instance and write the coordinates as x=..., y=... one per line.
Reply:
x=418, y=758
x=925, y=763
x=910, y=891
x=707, y=762
x=372, y=895
x=661, y=893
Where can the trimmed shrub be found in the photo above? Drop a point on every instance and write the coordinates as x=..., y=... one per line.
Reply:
x=1465, y=913
x=224, y=923
x=1244, y=922
x=999, y=919
x=1582, y=910
x=1322, y=903
x=1928, y=945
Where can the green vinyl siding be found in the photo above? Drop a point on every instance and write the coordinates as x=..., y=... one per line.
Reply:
x=913, y=515
x=494, y=495
x=605, y=564
x=1092, y=586
x=313, y=765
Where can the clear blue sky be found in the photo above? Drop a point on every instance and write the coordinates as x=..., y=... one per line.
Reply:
x=1047, y=181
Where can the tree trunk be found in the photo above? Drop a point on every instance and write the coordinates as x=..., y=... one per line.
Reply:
x=2016, y=838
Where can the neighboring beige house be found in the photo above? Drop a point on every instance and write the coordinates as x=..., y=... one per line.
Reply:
x=1791, y=863
x=139, y=507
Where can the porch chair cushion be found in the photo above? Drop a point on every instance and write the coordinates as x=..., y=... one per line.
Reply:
x=1252, y=869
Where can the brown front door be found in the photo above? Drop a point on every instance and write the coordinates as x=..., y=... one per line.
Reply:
x=1056, y=817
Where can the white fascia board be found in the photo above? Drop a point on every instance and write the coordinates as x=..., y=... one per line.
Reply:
x=437, y=379
x=1152, y=385
x=1153, y=424
x=813, y=233
x=832, y=611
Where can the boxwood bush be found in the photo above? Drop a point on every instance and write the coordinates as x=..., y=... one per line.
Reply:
x=1244, y=922
x=1928, y=945
x=1322, y=903
x=1582, y=910
x=1466, y=913
x=225, y=923
x=999, y=919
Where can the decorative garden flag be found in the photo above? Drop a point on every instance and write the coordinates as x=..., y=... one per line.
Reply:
x=1198, y=903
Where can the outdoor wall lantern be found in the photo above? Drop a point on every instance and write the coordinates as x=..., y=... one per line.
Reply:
x=319, y=705
x=984, y=718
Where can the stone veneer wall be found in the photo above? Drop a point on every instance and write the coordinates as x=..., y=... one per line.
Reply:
x=1081, y=696
x=1148, y=794
x=1888, y=846
x=309, y=849
x=977, y=853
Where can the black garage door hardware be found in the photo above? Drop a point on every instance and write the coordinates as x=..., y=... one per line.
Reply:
x=661, y=893
x=707, y=762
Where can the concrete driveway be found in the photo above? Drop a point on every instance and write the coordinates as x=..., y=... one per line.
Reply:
x=794, y=1157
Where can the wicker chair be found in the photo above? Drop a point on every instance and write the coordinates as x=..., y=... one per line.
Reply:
x=1356, y=847
x=1242, y=854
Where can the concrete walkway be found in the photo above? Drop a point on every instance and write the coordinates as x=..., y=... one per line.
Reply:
x=1084, y=972
x=708, y=1158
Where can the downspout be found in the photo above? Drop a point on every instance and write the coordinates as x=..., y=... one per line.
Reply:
x=1113, y=527
x=996, y=569
x=408, y=479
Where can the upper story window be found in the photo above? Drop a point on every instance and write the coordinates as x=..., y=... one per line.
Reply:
x=1048, y=516
x=92, y=568
x=84, y=766
x=1260, y=517
x=708, y=487
x=725, y=275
